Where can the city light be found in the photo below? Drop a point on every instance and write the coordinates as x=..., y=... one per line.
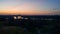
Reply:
x=15, y=17
x=26, y=18
x=19, y=17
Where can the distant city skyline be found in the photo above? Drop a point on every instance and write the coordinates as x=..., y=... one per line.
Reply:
x=30, y=7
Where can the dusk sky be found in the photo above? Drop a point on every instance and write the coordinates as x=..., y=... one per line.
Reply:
x=30, y=7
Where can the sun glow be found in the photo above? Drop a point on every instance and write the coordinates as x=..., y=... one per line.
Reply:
x=24, y=12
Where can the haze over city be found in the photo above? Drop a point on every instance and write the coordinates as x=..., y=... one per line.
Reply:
x=30, y=7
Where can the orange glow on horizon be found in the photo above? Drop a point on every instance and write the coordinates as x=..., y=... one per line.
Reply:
x=23, y=12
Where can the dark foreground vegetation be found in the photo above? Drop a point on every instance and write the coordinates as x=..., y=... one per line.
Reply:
x=32, y=25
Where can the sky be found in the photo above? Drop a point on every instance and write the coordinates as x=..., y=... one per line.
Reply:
x=30, y=7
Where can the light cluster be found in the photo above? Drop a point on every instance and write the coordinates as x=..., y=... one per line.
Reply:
x=20, y=17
